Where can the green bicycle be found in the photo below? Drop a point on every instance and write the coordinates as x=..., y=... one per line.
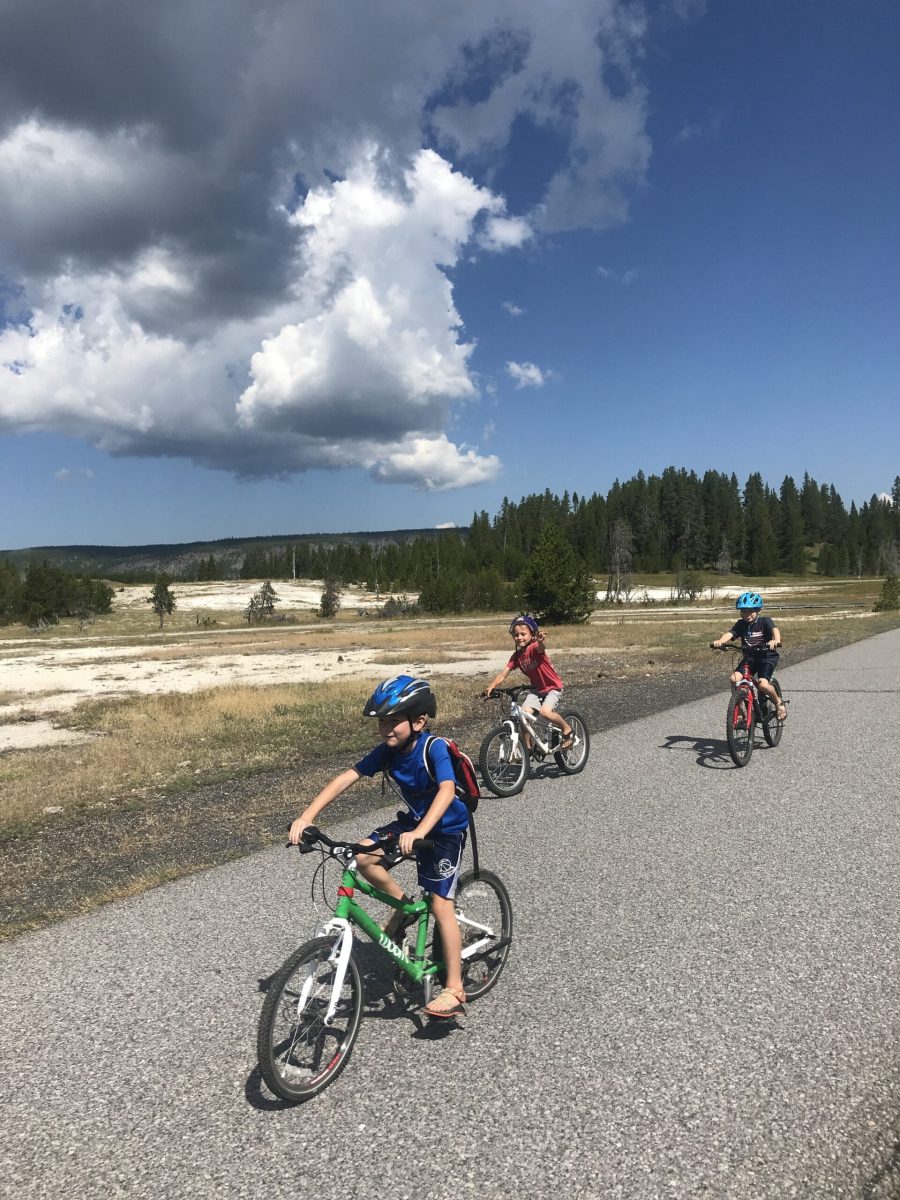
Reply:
x=314, y=1004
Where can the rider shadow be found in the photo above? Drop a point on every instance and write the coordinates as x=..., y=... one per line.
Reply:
x=711, y=752
x=383, y=1002
x=546, y=768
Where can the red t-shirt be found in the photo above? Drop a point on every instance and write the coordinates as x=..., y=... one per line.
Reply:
x=532, y=661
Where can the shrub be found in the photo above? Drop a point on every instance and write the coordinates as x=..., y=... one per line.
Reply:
x=889, y=600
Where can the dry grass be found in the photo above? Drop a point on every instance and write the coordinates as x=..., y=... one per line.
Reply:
x=179, y=740
x=176, y=741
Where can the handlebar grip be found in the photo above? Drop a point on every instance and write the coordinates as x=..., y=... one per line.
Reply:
x=308, y=839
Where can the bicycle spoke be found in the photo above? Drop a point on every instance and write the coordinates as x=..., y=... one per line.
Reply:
x=298, y=1053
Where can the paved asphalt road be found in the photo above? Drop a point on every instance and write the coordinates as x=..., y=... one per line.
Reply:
x=703, y=997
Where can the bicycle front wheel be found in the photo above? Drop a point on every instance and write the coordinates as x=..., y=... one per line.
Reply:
x=740, y=728
x=504, y=762
x=574, y=759
x=771, y=726
x=298, y=1053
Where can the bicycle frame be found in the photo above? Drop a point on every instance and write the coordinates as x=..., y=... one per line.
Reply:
x=522, y=718
x=349, y=913
x=748, y=683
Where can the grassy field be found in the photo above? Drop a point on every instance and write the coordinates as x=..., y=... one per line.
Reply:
x=144, y=745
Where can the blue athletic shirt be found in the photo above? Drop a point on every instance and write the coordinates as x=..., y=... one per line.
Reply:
x=415, y=784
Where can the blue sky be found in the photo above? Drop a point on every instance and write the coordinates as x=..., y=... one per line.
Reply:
x=494, y=253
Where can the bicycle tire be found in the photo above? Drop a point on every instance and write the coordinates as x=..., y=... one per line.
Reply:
x=501, y=775
x=771, y=726
x=291, y=1051
x=738, y=732
x=483, y=900
x=574, y=760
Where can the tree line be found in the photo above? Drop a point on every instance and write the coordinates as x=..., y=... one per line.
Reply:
x=677, y=521
x=47, y=592
x=669, y=522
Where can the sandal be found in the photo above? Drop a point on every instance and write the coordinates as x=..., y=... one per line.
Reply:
x=447, y=1003
x=781, y=713
x=568, y=740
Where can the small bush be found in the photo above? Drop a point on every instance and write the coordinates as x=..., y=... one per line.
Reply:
x=889, y=600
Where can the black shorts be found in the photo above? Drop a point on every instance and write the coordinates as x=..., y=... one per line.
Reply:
x=763, y=667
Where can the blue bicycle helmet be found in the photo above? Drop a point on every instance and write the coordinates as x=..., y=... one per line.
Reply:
x=401, y=696
x=529, y=622
x=749, y=600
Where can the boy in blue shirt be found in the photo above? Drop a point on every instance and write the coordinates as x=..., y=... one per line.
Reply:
x=433, y=810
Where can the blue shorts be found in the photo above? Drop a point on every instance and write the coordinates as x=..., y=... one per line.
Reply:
x=762, y=668
x=438, y=868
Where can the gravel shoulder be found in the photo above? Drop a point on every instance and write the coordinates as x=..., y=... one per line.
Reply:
x=85, y=861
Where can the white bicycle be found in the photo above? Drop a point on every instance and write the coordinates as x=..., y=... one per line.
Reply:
x=524, y=737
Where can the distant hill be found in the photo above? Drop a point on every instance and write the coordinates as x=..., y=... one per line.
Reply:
x=174, y=556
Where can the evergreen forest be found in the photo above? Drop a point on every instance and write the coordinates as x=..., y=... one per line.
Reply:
x=673, y=522
x=676, y=522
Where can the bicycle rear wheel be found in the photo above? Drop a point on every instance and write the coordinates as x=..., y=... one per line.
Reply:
x=740, y=728
x=484, y=912
x=298, y=1053
x=771, y=726
x=574, y=759
x=504, y=762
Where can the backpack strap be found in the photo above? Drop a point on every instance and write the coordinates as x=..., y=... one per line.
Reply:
x=425, y=758
x=471, y=815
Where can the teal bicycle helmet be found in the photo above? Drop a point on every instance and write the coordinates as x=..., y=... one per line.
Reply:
x=401, y=696
x=749, y=600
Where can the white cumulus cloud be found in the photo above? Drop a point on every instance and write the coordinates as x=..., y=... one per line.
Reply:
x=362, y=370
x=216, y=246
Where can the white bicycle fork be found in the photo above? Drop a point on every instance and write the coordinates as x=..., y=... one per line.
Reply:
x=340, y=955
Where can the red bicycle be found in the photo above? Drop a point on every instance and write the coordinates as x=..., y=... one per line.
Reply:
x=747, y=708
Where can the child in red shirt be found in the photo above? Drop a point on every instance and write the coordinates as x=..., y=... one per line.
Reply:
x=531, y=659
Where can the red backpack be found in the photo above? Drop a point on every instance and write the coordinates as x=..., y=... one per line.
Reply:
x=463, y=768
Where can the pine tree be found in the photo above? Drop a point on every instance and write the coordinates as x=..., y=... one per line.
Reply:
x=792, y=551
x=762, y=549
x=161, y=599
x=556, y=585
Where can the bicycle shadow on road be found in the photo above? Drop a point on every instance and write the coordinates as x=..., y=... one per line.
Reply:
x=711, y=752
x=383, y=1002
x=546, y=770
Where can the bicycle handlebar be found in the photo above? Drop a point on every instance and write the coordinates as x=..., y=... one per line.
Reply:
x=743, y=649
x=312, y=836
x=505, y=691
